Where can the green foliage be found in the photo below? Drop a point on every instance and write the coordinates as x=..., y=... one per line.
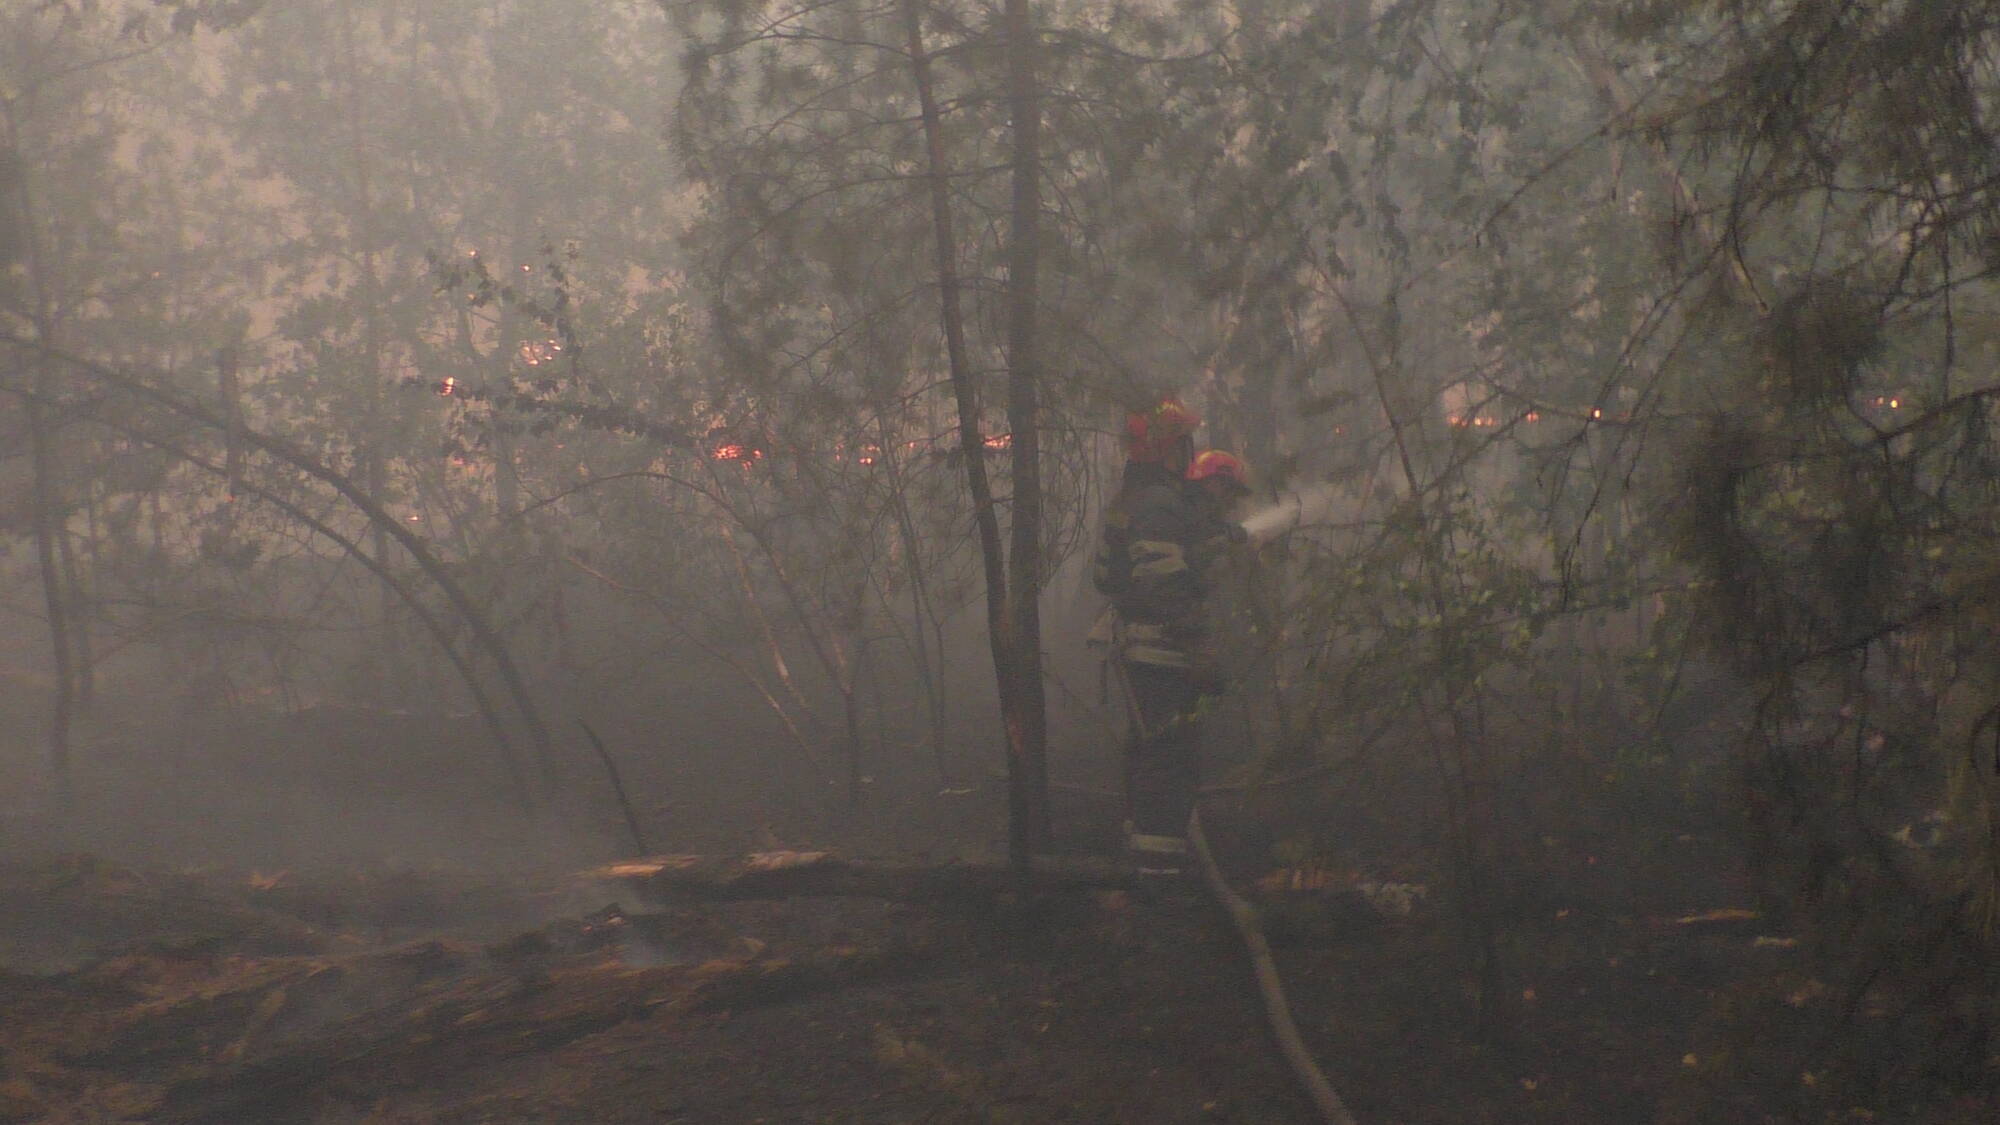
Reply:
x=1817, y=340
x=1837, y=502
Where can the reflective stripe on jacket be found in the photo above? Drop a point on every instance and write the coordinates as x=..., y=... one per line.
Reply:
x=1153, y=562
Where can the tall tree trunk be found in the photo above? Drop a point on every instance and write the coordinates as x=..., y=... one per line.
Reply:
x=54, y=599
x=230, y=387
x=76, y=617
x=91, y=565
x=389, y=678
x=42, y=463
x=1024, y=826
x=1022, y=704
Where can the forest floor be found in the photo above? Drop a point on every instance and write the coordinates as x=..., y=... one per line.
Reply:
x=421, y=996
x=1640, y=983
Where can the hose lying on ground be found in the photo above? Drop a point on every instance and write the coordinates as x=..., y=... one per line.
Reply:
x=1276, y=1008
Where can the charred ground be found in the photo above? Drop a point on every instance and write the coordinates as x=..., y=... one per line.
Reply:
x=489, y=975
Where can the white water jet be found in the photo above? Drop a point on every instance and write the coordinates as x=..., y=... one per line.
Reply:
x=1294, y=507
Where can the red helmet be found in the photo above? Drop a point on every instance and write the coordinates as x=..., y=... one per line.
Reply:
x=1151, y=434
x=1219, y=464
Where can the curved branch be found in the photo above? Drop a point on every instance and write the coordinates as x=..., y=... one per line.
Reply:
x=303, y=460
x=480, y=700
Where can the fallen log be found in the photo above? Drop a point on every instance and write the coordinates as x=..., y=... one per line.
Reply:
x=1243, y=787
x=790, y=874
x=787, y=874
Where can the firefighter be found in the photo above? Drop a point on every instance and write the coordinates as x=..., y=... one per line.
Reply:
x=1160, y=542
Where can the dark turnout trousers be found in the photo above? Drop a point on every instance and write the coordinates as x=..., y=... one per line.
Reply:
x=1162, y=757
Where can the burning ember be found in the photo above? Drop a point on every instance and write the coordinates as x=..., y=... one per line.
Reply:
x=534, y=353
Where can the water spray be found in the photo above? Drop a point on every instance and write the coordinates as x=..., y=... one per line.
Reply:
x=1293, y=507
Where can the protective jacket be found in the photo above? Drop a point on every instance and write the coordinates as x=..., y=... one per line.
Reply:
x=1155, y=562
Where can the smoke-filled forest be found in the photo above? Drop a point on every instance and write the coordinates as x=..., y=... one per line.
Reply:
x=553, y=561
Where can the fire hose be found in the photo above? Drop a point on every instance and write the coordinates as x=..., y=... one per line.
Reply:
x=1277, y=1008
x=1270, y=987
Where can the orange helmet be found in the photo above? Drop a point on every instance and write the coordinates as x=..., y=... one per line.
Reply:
x=1219, y=464
x=1151, y=433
